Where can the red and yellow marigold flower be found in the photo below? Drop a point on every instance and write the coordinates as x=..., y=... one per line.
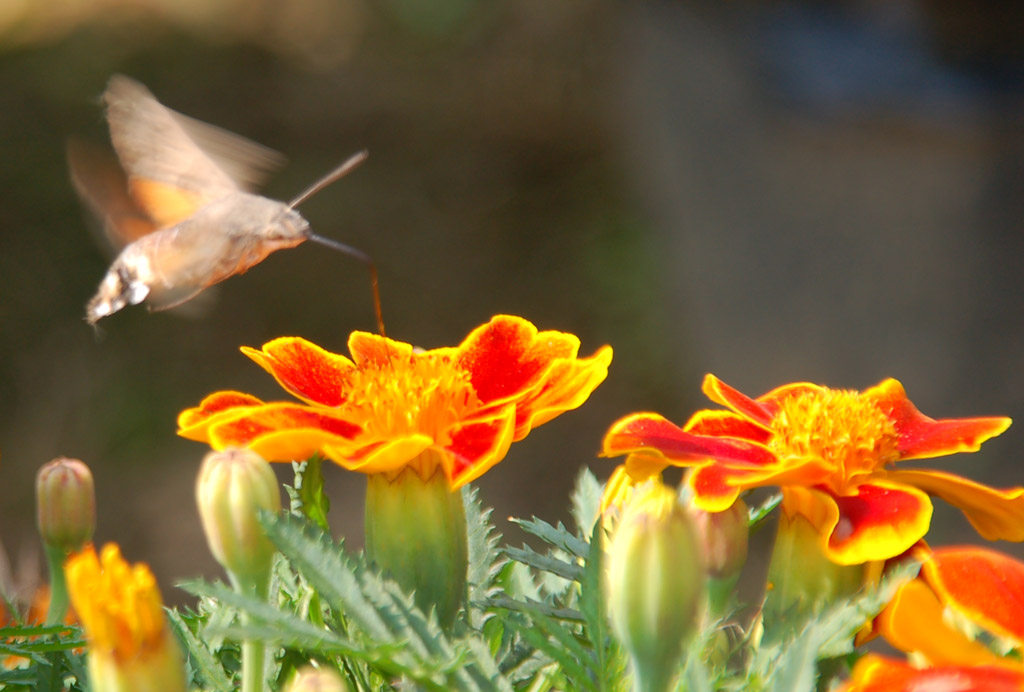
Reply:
x=833, y=453
x=875, y=673
x=420, y=424
x=130, y=645
x=980, y=587
x=392, y=406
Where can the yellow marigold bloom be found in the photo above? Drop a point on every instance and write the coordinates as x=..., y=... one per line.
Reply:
x=392, y=407
x=119, y=606
x=834, y=453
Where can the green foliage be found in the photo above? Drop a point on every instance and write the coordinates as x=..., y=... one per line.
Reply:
x=51, y=658
x=536, y=619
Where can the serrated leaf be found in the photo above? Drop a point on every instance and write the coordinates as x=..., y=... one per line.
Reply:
x=545, y=563
x=532, y=607
x=328, y=569
x=593, y=608
x=559, y=536
x=485, y=560
x=586, y=500
x=202, y=657
x=307, y=495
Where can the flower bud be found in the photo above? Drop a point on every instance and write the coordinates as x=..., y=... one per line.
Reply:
x=233, y=486
x=723, y=538
x=65, y=504
x=311, y=679
x=416, y=533
x=655, y=584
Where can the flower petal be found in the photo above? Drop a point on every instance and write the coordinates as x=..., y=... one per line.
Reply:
x=721, y=393
x=380, y=456
x=874, y=673
x=566, y=385
x=194, y=423
x=914, y=623
x=651, y=432
x=375, y=350
x=985, y=585
x=995, y=514
x=304, y=369
x=282, y=431
x=717, y=423
x=921, y=437
x=478, y=445
x=507, y=356
x=717, y=485
x=880, y=520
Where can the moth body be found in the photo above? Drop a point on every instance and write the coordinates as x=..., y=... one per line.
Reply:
x=172, y=265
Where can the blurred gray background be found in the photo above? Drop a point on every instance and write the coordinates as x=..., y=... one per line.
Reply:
x=772, y=192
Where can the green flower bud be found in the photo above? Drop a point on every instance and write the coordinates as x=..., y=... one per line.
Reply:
x=66, y=504
x=723, y=537
x=233, y=486
x=311, y=679
x=416, y=533
x=655, y=584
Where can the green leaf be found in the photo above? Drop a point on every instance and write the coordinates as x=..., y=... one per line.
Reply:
x=758, y=516
x=200, y=656
x=307, y=497
x=545, y=563
x=586, y=500
x=558, y=536
x=485, y=560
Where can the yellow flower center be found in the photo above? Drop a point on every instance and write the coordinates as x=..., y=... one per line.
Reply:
x=423, y=393
x=118, y=604
x=841, y=428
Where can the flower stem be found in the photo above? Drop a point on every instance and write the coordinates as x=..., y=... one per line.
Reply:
x=253, y=651
x=58, y=586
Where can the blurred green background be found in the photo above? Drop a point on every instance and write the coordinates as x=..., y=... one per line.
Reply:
x=771, y=192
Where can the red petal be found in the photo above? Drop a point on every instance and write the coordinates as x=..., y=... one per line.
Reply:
x=922, y=437
x=726, y=424
x=507, y=356
x=723, y=394
x=995, y=514
x=875, y=673
x=879, y=521
x=478, y=445
x=304, y=369
x=986, y=586
x=650, y=432
x=194, y=423
x=566, y=385
x=282, y=431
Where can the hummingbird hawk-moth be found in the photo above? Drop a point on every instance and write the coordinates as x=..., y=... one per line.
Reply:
x=180, y=206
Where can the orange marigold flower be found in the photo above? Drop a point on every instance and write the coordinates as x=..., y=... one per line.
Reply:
x=983, y=587
x=392, y=406
x=130, y=644
x=833, y=452
x=875, y=673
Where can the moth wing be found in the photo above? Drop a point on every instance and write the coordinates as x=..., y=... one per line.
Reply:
x=103, y=188
x=174, y=163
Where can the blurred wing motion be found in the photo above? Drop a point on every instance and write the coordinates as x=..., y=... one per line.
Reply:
x=176, y=164
x=178, y=206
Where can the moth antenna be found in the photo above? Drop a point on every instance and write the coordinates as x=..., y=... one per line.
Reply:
x=340, y=172
x=362, y=257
